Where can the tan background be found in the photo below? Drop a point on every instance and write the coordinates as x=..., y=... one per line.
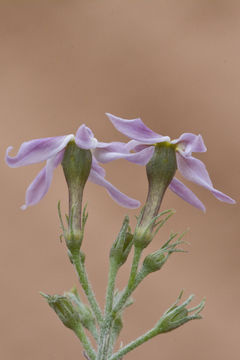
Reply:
x=175, y=64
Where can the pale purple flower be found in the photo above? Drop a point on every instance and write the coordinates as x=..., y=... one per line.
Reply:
x=142, y=146
x=52, y=150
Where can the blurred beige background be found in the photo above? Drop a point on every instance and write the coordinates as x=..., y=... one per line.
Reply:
x=175, y=64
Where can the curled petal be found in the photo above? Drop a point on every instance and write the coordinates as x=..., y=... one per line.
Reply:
x=38, y=150
x=194, y=170
x=135, y=129
x=186, y=194
x=85, y=138
x=40, y=185
x=122, y=199
x=141, y=158
x=188, y=143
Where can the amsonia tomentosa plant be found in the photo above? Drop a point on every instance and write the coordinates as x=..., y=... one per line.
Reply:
x=79, y=156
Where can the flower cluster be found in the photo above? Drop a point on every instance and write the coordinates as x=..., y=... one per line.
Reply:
x=80, y=156
x=138, y=150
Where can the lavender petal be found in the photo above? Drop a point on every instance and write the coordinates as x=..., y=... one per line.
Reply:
x=186, y=194
x=188, y=143
x=135, y=129
x=115, y=194
x=194, y=170
x=38, y=150
x=222, y=197
x=97, y=168
x=85, y=138
x=40, y=185
x=141, y=157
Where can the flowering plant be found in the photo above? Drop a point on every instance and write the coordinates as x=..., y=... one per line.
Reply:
x=79, y=156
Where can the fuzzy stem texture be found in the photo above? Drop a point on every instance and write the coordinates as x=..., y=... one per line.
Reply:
x=105, y=334
x=79, y=331
x=83, y=279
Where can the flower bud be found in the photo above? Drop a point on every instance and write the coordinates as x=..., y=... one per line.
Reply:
x=76, y=165
x=122, y=245
x=154, y=262
x=160, y=172
x=86, y=316
x=178, y=315
x=64, y=309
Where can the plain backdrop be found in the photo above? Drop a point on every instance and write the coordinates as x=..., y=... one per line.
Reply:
x=176, y=65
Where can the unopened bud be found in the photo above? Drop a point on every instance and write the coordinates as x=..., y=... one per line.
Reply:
x=178, y=315
x=123, y=244
x=86, y=316
x=154, y=262
x=64, y=309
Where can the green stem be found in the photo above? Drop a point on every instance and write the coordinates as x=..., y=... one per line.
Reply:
x=94, y=333
x=132, y=345
x=131, y=282
x=105, y=334
x=134, y=269
x=83, y=279
x=85, y=342
x=111, y=285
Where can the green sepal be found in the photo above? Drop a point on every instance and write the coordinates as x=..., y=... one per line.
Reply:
x=143, y=235
x=178, y=315
x=123, y=244
x=86, y=316
x=155, y=261
x=64, y=309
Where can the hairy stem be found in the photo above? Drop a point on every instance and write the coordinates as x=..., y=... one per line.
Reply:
x=131, y=282
x=132, y=345
x=83, y=279
x=79, y=331
x=105, y=333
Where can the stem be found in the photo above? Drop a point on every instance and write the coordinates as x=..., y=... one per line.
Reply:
x=105, y=334
x=85, y=342
x=94, y=333
x=83, y=279
x=131, y=282
x=132, y=345
x=111, y=285
x=134, y=269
